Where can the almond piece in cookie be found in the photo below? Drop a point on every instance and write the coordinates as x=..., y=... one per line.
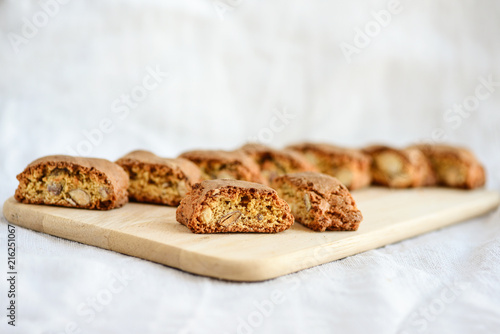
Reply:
x=400, y=168
x=159, y=180
x=218, y=206
x=61, y=180
x=216, y=164
x=319, y=201
x=273, y=162
x=455, y=167
x=350, y=166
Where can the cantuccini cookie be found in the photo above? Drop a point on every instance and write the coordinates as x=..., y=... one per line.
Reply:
x=216, y=164
x=159, y=180
x=350, y=166
x=400, y=168
x=216, y=206
x=455, y=167
x=273, y=162
x=61, y=180
x=319, y=201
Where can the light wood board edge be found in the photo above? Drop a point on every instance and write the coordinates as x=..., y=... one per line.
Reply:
x=249, y=270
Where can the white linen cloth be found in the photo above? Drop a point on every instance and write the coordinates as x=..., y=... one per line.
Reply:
x=239, y=70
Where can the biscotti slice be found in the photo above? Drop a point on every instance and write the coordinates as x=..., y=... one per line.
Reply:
x=273, y=162
x=61, y=180
x=400, y=168
x=159, y=180
x=217, y=206
x=319, y=201
x=216, y=164
x=350, y=166
x=455, y=167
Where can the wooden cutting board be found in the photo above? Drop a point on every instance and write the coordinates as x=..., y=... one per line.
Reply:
x=151, y=232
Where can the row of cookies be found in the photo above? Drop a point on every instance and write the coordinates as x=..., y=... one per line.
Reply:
x=415, y=166
x=318, y=201
x=159, y=180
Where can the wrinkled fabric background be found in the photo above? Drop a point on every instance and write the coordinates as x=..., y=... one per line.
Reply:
x=231, y=71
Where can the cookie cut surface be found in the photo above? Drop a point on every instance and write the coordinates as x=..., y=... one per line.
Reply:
x=350, y=166
x=217, y=206
x=319, y=202
x=455, y=167
x=273, y=162
x=61, y=180
x=400, y=168
x=159, y=180
x=217, y=164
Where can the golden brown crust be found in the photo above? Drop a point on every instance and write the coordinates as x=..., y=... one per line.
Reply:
x=146, y=157
x=319, y=202
x=350, y=166
x=154, y=179
x=454, y=166
x=258, y=208
x=108, y=174
x=273, y=162
x=217, y=164
x=400, y=168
